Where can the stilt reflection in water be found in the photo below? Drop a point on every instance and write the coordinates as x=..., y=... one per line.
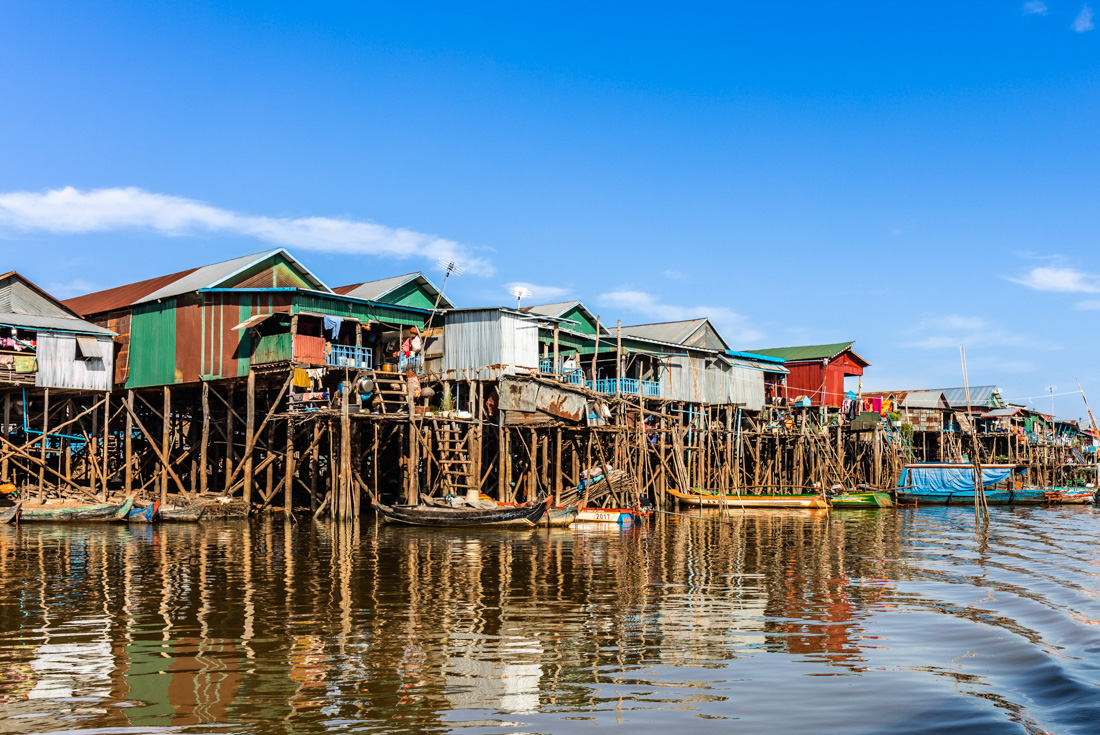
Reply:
x=752, y=620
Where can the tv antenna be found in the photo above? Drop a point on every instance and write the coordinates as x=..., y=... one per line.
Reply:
x=449, y=268
x=520, y=292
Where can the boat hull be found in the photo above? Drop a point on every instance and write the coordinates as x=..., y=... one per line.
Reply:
x=621, y=516
x=1026, y=496
x=527, y=516
x=143, y=515
x=861, y=500
x=560, y=517
x=751, y=501
x=10, y=515
x=190, y=514
x=102, y=513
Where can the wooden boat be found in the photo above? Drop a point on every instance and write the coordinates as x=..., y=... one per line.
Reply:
x=101, y=513
x=705, y=499
x=621, y=516
x=953, y=484
x=189, y=514
x=871, y=499
x=560, y=517
x=522, y=516
x=143, y=515
x=10, y=515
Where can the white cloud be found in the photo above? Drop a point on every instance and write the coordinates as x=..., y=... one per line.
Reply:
x=732, y=325
x=953, y=330
x=1035, y=8
x=1083, y=21
x=675, y=275
x=538, y=294
x=75, y=287
x=72, y=211
x=1060, y=280
x=1089, y=305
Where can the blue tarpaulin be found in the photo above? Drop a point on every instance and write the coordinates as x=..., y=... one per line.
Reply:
x=951, y=479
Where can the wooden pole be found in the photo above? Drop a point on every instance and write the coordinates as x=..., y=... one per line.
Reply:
x=42, y=446
x=618, y=357
x=4, y=466
x=165, y=435
x=288, y=468
x=595, y=352
x=106, y=436
x=249, y=435
x=129, y=444
x=204, y=445
x=557, y=367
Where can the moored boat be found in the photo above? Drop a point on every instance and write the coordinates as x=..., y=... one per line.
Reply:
x=871, y=499
x=954, y=484
x=621, y=516
x=706, y=500
x=100, y=513
x=522, y=516
x=10, y=515
x=560, y=517
x=174, y=514
x=143, y=515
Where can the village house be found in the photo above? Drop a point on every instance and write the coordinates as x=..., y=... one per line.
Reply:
x=817, y=372
x=46, y=345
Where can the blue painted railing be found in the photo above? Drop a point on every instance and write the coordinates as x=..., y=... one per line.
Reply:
x=574, y=377
x=357, y=358
x=631, y=386
x=546, y=365
x=412, y=362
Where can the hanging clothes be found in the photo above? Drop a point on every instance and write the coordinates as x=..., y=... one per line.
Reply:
x=300, y=379
x=333, y=324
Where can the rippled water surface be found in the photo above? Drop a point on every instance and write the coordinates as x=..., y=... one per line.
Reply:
x=757, y=622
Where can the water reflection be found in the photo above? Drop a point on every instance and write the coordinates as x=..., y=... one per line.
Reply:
x=764, y=619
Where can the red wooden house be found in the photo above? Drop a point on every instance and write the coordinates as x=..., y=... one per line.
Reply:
x=818, y=371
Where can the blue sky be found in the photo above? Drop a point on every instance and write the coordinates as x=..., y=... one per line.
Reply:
x=913, y=176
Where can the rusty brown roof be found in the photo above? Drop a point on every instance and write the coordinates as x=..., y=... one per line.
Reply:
x=121, y=296
x=345, y=290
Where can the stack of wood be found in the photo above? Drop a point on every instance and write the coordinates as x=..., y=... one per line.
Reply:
x=617, y=488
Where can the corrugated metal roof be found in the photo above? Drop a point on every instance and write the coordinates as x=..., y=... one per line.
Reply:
x=810, y=352
x=1002, y=412
x=912, y=398
x=980, y=395
x=23, y=304
x=672, y=332
x=121, y=296
x=377, y=290
x=552, y=309
x=52, y=324
x=176, y=284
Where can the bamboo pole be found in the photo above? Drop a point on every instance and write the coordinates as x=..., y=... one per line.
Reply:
x=249, y=436
x=165, y=436
x=42, y=446
x=129, y=443
x=204, y=442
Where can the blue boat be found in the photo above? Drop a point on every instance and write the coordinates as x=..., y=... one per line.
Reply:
x=143, y=515
x=942, y=483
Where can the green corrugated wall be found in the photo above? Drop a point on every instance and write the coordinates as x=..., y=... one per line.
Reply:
x=153, y=345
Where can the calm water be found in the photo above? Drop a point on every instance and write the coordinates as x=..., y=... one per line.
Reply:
x=768, y=621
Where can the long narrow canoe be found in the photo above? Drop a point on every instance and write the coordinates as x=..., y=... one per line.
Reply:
x=102, y=513
x=621, y=516
x=524, y=516
x=560, y=517
x=190, y=514
x=707, y=500
x=143, y=515
x=10, y=515
x=861, y=500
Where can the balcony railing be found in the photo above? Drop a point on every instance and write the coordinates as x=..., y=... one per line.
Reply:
x=358, y=358
x=631, y=386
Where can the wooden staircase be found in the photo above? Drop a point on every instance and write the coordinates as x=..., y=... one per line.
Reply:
x=456, y=466
x=392, y=390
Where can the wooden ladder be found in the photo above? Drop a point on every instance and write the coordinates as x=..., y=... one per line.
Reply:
x=455, y=463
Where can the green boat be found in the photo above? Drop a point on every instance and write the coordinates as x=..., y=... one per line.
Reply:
x=862, y=500
x=103, y=513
